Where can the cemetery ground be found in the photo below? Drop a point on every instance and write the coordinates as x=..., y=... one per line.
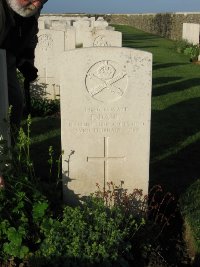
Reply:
x=175, y=146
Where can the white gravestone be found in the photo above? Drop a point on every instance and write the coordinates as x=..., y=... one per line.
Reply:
x=60, y=25
x=81, y=27
x=4, y=126
x=102, y=38
x=105, y=118
x=51, y=43
x=191, y=33
x=100, y=24
x=41, y=24
x=100, y=19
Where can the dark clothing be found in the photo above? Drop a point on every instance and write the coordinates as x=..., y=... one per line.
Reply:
x=15, y=93
x=18, y=36
x=21, y=39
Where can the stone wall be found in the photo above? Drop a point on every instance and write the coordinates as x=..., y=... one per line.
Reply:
x=168, y=25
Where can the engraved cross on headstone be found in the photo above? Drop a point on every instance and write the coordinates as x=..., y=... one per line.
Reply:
x=106, y=158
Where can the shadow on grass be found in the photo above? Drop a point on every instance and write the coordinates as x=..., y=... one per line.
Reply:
x=49, y=176
x=41, y=125
x=175, y=146
x=174, y=126
x=157, y=66
x=133, y=45
x=162, y=80
x=45, y=132
x=139, y=37
x=40, y=155
x=177, y=172
x=176, y=87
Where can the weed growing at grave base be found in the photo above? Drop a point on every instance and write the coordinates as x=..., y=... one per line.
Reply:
x=110, y=228
x=181, y=45
x=22, y=205
x=93, y=234
x=193, y=52
x=188, y=49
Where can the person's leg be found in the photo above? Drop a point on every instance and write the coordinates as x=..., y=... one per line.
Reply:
x=15, y=95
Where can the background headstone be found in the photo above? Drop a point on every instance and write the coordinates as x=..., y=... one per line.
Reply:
x=105, y=118
x=41, y=24
x=102, y=38
x=100, y=24
x=81, y=27
x=51, y=43
x=191, y=32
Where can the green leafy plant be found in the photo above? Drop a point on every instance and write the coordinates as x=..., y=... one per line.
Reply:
x=92, y=234
x=22, y=210
x=44, y=107
x=111, y=228
x=14, y=245
x=181, y=45
x=22, y=205
x=193, y=52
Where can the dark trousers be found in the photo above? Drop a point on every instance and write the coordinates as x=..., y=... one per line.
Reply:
x=15, y=94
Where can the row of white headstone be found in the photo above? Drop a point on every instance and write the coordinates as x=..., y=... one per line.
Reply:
x=57, y=35
x=105, y=94
x=52, y=21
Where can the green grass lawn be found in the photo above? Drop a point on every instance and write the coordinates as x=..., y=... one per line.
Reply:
x=175, y=124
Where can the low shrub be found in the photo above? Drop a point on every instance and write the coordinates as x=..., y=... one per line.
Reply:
x=44, y=107
x=193, y=52
x=99, y=233
x=183, y=46
x=89, y=235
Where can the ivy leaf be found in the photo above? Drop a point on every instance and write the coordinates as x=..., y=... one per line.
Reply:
x=14, y=236
x=39, y=210
x=23, y=252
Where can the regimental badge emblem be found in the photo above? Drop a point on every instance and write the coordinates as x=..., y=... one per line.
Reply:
x=106, y=81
